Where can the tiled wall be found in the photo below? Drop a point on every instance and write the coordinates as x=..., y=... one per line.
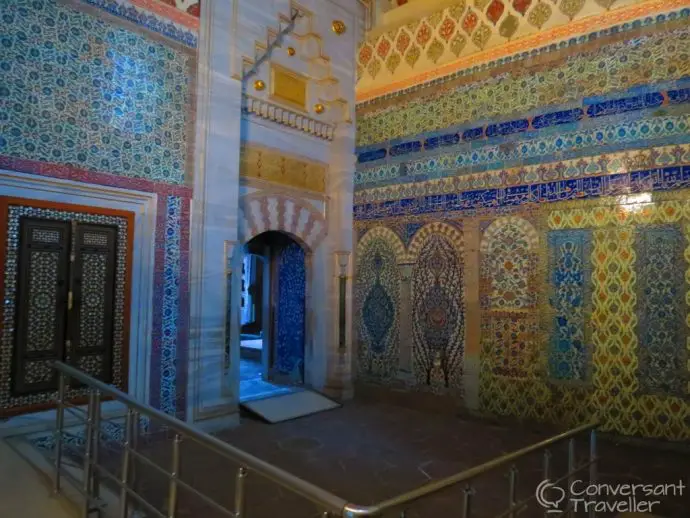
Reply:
x=520, y=229
x=102, y=92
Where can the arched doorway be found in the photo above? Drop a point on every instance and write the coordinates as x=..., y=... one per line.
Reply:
x=272, y=345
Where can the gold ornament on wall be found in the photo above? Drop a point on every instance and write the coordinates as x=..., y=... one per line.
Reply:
x=338, y=27
x=291, y=51
x=319, y=108
x=259, y=85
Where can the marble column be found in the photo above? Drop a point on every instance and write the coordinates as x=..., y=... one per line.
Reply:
x=216, y=256
x=340, y=188
x=405, y=340
x=471, y=366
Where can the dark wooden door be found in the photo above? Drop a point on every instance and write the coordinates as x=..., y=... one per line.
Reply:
x=42, y=301
x=90, y=331
x=65, y=302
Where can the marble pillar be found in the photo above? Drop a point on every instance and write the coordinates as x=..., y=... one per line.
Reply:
x=215, y=256
x=340, y=188
x=405, y=341
x=471, y=366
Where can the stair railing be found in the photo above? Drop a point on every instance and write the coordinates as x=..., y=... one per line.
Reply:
x=94, y=472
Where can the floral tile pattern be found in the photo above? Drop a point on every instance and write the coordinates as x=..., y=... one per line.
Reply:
x=628, y=63
x=290, y=313
x=171, y=307
x=494, y=21
x=662, y=309
x=438, y=314
x=570, y=295
x=121, y=107
x=377, y=301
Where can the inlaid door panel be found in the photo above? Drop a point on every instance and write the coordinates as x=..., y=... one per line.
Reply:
x=93, y=285
x=41, y=304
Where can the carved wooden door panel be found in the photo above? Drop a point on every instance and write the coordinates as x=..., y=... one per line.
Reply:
x=90, y=332
x=41, y=304
x=65, y=302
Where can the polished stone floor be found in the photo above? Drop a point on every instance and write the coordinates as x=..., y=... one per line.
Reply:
x=252, y=385
x=367, y=452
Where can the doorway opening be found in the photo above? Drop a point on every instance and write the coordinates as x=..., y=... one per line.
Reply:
x=273, y=313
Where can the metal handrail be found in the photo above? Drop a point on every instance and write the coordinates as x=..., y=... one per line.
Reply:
x=319, y=496
x=331, y=504
x=464, y=476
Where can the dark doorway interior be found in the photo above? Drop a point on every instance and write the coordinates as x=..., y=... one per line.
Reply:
x=272, y=315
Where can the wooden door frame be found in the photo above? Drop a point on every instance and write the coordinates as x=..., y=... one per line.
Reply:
x=5, y=203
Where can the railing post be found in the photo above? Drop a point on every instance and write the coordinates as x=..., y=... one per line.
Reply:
x=512, y=490
x=124, y=495
x=239, y=492
x=59, y=427
x=593, y=465
x=174, y=475
x=134, y=441
x=88, y=445
x=467, y=501
x=95, y=476
x=571, y=475
x=547, y=473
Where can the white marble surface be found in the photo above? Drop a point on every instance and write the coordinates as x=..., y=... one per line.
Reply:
x=25, y=493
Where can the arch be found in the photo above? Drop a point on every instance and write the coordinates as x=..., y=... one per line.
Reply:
x=387, y=235
x=450, y=232
x=438, y=306
x=496, y=226
x=507, y=252
x=262, y=212
x=377, y=302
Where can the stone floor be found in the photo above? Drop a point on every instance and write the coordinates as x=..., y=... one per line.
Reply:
x=24, y=493
x=367, y=452
x=252, y=385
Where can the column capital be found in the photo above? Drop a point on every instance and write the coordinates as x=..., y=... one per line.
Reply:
x=343, y=259
x=406, y=271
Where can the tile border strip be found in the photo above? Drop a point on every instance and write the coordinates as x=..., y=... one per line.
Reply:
x=641, y=181
x=153, y=21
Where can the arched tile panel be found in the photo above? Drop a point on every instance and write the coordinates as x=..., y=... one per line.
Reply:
x=506, y=249
x=377, y=303
x=508, y=297
x=387, y=235
x=438, y=306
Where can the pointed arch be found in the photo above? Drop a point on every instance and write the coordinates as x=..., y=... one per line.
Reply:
x=450, y=232
x=377, y=293
x=261, y=212
x=522, y=225
x=387, y=235
x=507, y=252
x=438, y=305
